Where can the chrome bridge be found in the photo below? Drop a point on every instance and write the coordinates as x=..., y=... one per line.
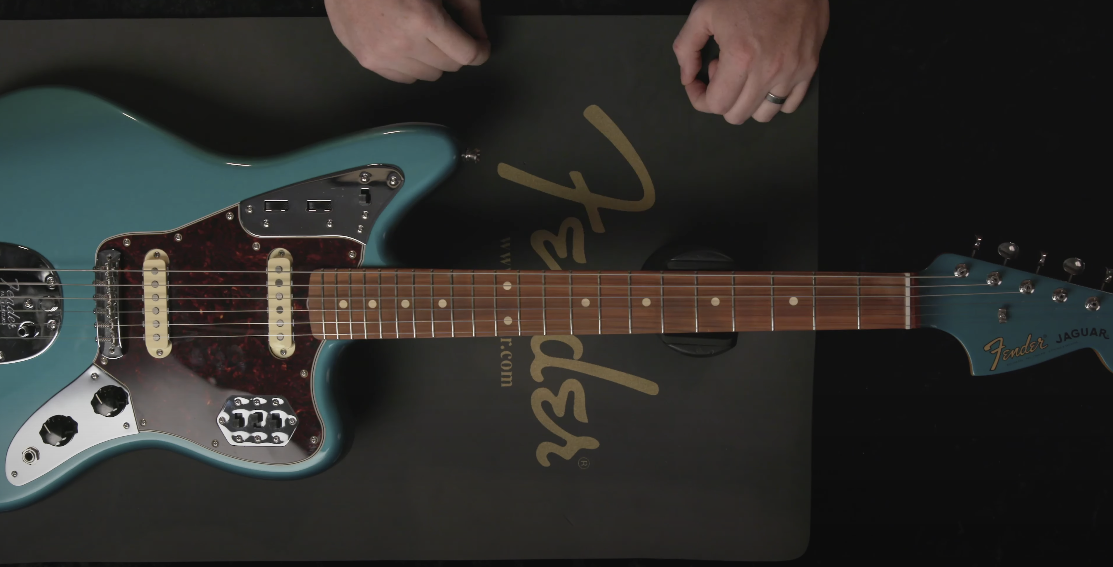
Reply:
x=107, y=295
x=30, y=303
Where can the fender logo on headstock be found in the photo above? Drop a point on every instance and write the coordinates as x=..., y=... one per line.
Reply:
x=1004, y=353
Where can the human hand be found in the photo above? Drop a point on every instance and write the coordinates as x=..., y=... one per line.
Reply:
x=406, y=40
x=765, y=46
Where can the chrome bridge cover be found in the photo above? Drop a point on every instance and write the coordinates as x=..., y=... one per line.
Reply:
x=30, y=303
x=261, y=421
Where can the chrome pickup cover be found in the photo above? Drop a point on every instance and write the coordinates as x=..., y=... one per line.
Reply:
x=261, y=421
x=30, y=303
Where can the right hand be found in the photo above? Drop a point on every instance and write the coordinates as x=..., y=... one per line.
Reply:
x=406, y=40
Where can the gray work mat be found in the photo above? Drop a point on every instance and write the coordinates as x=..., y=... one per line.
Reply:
x=445, y=460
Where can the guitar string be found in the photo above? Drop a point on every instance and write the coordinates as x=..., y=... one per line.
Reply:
x=476, y=273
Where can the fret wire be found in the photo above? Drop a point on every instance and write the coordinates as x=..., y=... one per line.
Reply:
x=859, y=299
x=813, y=301
x=571, y=325
x=432, y=317
x=629, y=305
x=473, y=305
x=518, y=286
x=397, y=329
x=599, y=304
x=544, y=326
x=351, y=329
x=413, y=294
x=379, y=303
x=695, y=298
x=772, y=311
x=451, y=303
x=662, y=300
x=336, y=302
x=495, y=301
x=733, y=312
x=363, y=299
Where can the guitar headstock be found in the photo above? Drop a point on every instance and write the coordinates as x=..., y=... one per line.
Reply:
x=1009, y=318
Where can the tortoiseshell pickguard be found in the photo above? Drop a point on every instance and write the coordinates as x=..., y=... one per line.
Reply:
x=182, y=393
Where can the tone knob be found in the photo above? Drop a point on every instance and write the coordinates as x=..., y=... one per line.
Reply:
x=58, y=430
x=109, y=401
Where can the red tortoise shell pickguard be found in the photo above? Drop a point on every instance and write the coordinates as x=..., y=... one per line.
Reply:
x=182, y=393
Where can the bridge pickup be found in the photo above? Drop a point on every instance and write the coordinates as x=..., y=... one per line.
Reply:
x=280, y=316
x=107, y=296
x=156, y=311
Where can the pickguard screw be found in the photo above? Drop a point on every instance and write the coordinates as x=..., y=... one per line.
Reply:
x=237, y=439
x=178, y=237
x=14, y=474
x=305, y=374
x=104, y=360
x=127, y=425
x=256, y=246
x=223, y=421
x=94, y=376
x=228, y=215
x=313, y=440
x=364, y=214
x=2, y=358
x=352, y=254
x=266, y=223
x=142, y=423
x=393, y=180
x=239, y=403
x=216, y=443
x=250, y=209
x=359, y=228
x=127, y=242
x=364, y=177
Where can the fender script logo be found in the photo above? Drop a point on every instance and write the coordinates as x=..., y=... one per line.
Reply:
x=1001, y=352
x=7, y=305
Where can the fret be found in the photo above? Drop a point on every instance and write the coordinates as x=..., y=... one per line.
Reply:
x=753, y=298
x=733, y=312
x=336, y=302
x=585, y=303
x=507, y=309
x=599, y=294
x=544, y=327
x=518, y=303
x=363, y=300
x=379, y=301
x=695, y=299
x=451, y=303
x=440, y=304
x=813, y=301
x=614, y=302
x=678, y=302
x=858, y=284
x=531, y=293
x=348, y=310
x=792, y=299
x=629, y=306
x=661, y=298
x=713, y=312
x=472, y=286
x=645, y=292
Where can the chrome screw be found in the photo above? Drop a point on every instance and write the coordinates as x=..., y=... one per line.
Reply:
x=142, y=423
x=52, y=325
x=258, y=438
x=266, y=223
x=94, y=376
x=291, y=420
x=276, y=439
x=364, y=214
x=471, y=156
x=329, y=223
x=178, y=237
x=104, y=360
x=364, y=177
x=50, y=281
x=216, y=443
x=256, y=246
x=127, y=242
x=159, y=351
x=228, y=215
x=127, y=425
x=393, y=180
x=237, y=438
x=257, y=401
x=250, y=209
x=313, y=440
x=223, y=421
x=239, y=403
x=28, y=304
x=304, y=373
x=359, y=228
x=352, y=254
x=994, y=278
x=2, y=357
x=14, y=474
x=282, y=352
x=276, y=401
x=1002, y=315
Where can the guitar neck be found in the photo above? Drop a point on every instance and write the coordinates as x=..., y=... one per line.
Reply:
x=401, y=303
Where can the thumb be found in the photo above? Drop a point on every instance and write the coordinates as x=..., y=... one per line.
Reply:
x=471, y=18
x=693, y=36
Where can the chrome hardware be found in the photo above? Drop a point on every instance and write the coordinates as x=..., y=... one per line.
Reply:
x=249, y=209
x=1002, y=315
x=313, y=440
x=30, y=455
x=471, y=156
x=352, y=254
x=359, y=229
x=107, y=305
x=1041, y=262
x=1074, y=267
x=962, y=270
x=304, y=374
x=1059, y=296
x=229, y=215
x=256, y=246
x=977, y=245
x=1093, y=304
x=66, y=425
x=257, y=425
x=1108, y=278
x=178, y=237
x=1008, y=251
x=354, y=197
x=30, y=316
x=1027, y=286
x=329, y=223
x=994, y=278
x=127, y=242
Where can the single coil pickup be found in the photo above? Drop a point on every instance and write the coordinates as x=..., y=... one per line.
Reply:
x=280, y=314
x=156, y=308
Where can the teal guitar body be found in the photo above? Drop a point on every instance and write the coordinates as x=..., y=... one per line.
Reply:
x=112, y=231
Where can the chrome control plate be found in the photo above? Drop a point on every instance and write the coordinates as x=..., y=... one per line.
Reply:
x=30, y=304
x=257, y=421
x=30, y=456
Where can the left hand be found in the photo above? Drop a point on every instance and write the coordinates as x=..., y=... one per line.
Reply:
x=765, y=46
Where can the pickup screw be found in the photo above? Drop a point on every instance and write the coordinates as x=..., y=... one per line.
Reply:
x=250, y=209
x=256, y=246
x=216, y=443
x=352, y=254
x=159, y=351
x=94, y=376
x=393, y=180
x=471, y=156
x=304, y=374
x=977, y=245
x=228, y=215
x=178, y=237
x=364, y=177
x=127, y=242
x=282, y=352
x=266, y=223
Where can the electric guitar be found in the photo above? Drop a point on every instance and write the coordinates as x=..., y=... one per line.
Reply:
x=159, y=296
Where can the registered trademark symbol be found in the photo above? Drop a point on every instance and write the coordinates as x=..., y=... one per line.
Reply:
x=584, y=462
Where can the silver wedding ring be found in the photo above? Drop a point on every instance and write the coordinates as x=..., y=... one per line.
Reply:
x=775, y=99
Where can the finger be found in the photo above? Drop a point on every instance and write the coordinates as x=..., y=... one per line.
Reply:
x=796, y=97
x=767, y=110
x=416, y=69
x=711, y=68
x=457, y=44
x=687, y=46
x=393, y=75
x=697, y=90
x=471, y=17
x=431, y=55
x=724, y=89
x=752, y=95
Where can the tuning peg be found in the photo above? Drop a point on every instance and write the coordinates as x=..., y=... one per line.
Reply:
x=1041, y=262
x=977, y=245
x=1074, y=267
x=1108, y=278
x=1008, y=251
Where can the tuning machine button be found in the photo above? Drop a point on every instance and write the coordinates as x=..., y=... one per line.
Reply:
x=1074, y=267
x=1008, y=251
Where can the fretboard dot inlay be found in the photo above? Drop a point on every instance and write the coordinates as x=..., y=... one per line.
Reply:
x=372, y=304
x=343, y=304
x=585, y=302
x=715, y=301
x=793, y=301
x=442, y=304
x=506, y=286
x=406, y=303
x=507, y=320
x=646, y=302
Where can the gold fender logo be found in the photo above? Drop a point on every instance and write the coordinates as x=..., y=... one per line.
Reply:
x=1000, y=352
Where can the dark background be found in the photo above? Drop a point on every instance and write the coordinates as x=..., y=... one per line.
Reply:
x=972, y=118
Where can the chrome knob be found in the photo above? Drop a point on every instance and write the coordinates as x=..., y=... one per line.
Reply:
x=1074, y=267
x=1008, y=251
